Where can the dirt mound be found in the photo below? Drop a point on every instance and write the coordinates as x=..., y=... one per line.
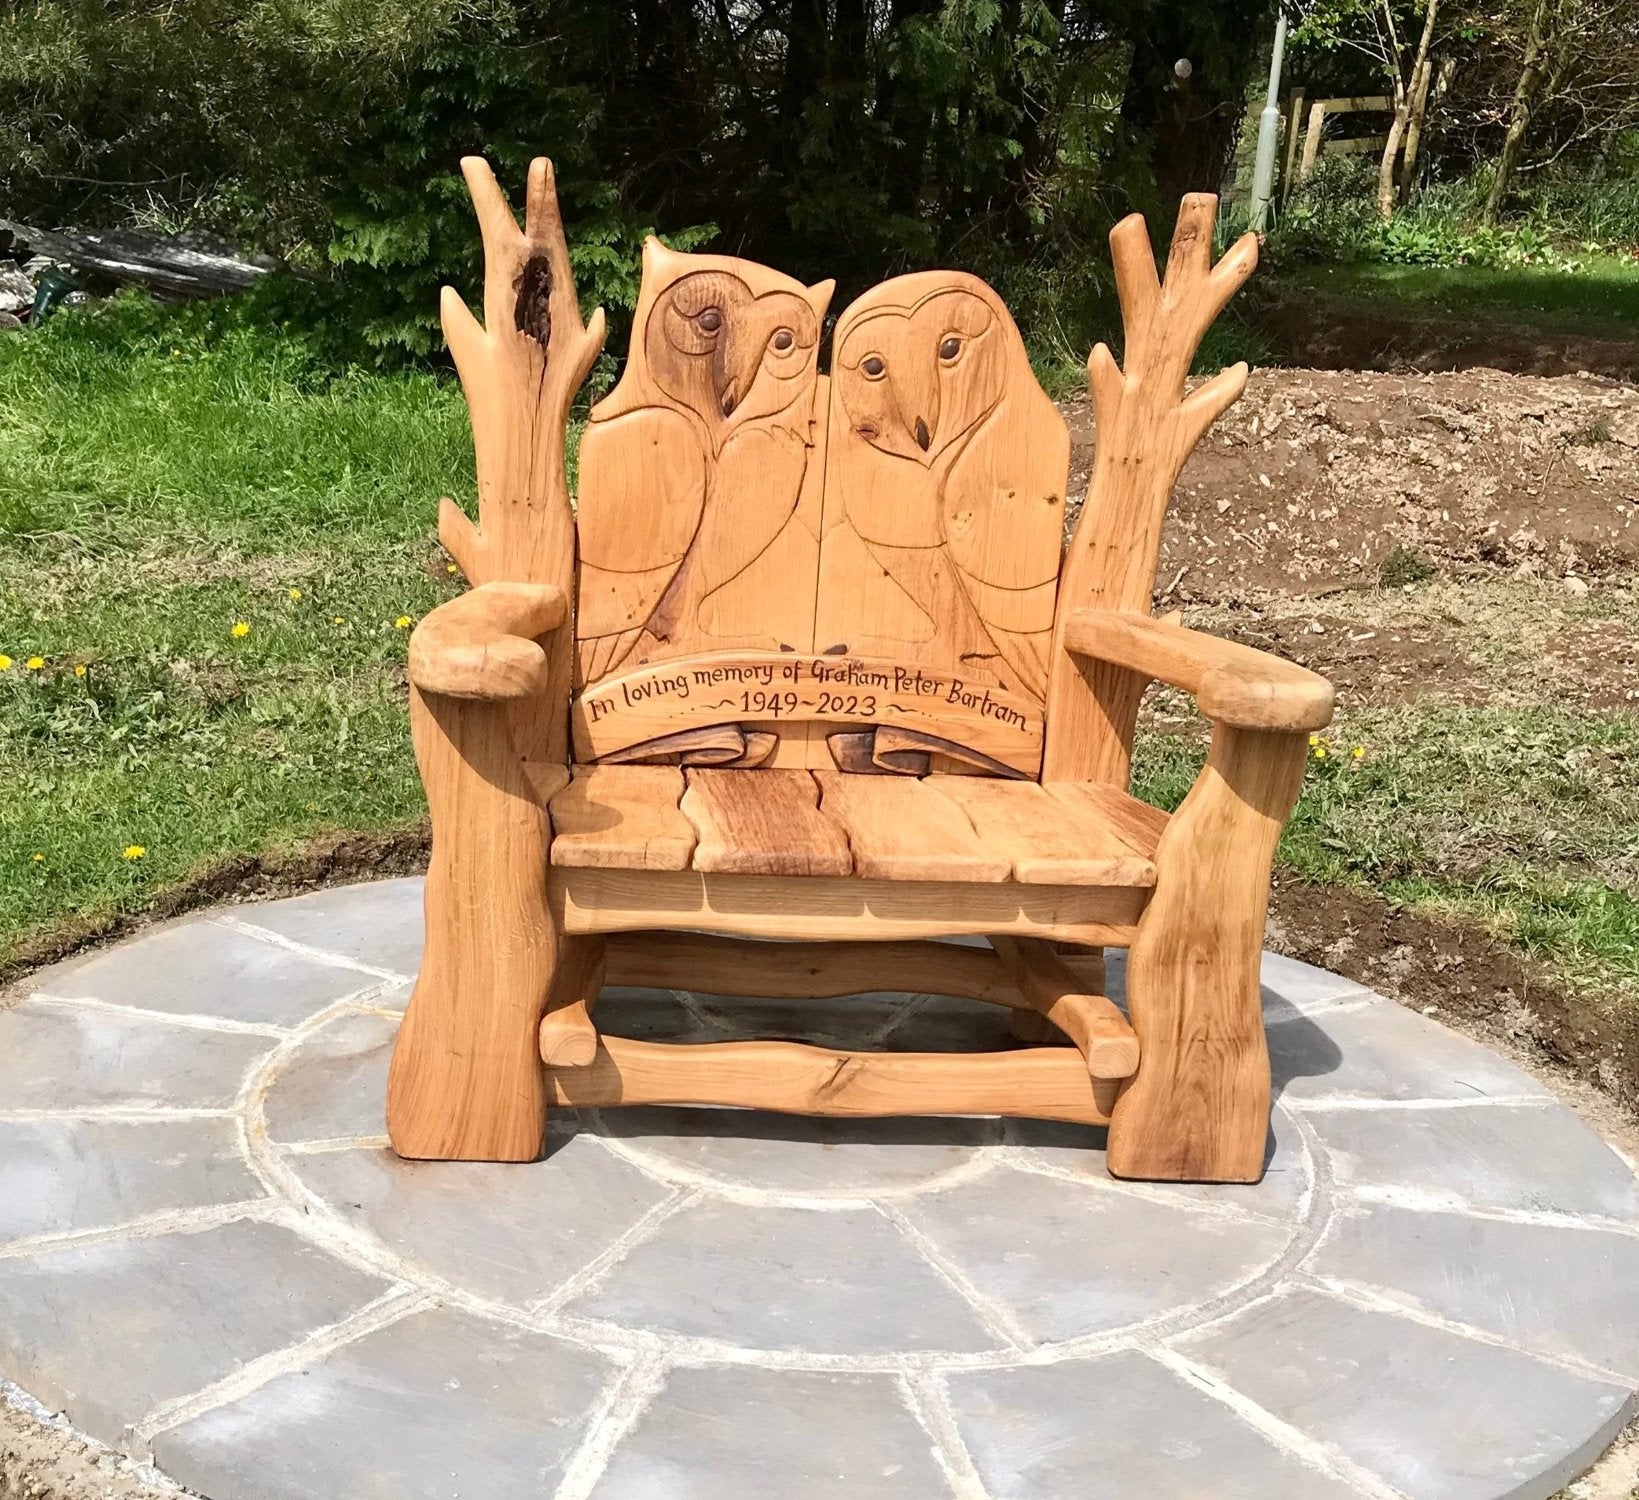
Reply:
x=1319, y=480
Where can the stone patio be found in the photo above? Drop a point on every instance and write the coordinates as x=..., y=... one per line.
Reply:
x=209, y=1256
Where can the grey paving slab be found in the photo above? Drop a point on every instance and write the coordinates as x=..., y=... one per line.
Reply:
x=197, y=966
x=57, y=1176
x=653, y=1016
x=1388, y=1052
x=738, y=1433
x=788, y=1154
x=378, y=923
x=1304, y=987
x=1566, y=1294
x=71, y=1057
x=947, y=1023
x=840, y=1281
x=1068, y=1262
x=1120, y=1428
x=1079, y=1149
x=1494, y=1156
x=335, y=1083
x=739, y=1249
x=438, y=1406
x=502, y=1230
x=1439, y=1416
x=112, y=1330
x=848, y=1020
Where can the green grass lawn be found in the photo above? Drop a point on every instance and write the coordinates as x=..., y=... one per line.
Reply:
x=1600, y=297
x=214, y=551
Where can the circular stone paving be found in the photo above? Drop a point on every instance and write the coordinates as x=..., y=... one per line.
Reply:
x=208, y=1255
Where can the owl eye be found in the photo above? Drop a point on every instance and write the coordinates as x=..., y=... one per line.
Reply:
x=873, y=367
x=783, y=339
x=951, y=347
x=710, y=319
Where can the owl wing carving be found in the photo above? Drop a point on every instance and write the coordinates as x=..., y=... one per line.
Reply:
x=642, y=494
x=1002, y=509
x=951, y=472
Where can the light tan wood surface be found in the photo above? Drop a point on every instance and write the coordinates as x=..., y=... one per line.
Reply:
x=1198, y=1108
x=568, y=1037
x=762, y=823
x=650, y=705
x=700, y=473
x=622, y=817
x=945, y=483
x=1092, y=1021
x=1047, y=841
x=1048, y=1083
x=793, y=971
x=840, y=908
x=904, y=830
x=1147, y=426
x=466, y=1080
x=486, y=643
x=1233, y=684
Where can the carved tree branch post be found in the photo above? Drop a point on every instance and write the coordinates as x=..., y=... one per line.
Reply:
x=1198, y=1107
x=466, y=1080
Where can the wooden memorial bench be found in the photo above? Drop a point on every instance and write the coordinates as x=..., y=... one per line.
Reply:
x=811, y=661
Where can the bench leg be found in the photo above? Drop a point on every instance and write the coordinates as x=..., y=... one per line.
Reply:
x=1197, y=1110
x=466, y=1082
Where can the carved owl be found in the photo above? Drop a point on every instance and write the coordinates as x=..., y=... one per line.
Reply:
x=692, y=468
x=945, y=511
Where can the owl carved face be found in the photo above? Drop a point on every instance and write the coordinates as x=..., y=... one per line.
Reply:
x=916, y=377
x=720, y=349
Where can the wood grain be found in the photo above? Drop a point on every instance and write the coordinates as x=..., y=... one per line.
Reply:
x=622, y=817
x=806, y=971
x=1049, y=841
x=1231, y=683
x=1091, y=1021
x=700, y=471
x=466, y=1080
x=1147, y=427
x=793, y=1078
x=568, y=1037
x=945, y=485
x=651, y=704
x=486, y=643
x=762, y=823
x=904, y=830
x=1198, y=1108
x=846, y=908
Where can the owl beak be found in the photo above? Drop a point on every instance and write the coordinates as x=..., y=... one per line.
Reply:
x=922, y=435
x=736, y=363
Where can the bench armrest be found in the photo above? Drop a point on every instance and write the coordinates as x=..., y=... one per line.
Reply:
x=485, y=644
x=1232, y=684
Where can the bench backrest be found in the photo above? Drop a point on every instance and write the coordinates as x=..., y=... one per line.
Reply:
x=783, y=568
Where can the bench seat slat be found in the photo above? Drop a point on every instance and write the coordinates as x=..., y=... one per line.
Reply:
x=765, y=822
x=1052, y=840
x=902, y=829
x=622, y=818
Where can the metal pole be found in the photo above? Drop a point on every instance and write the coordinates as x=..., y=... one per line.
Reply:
x=1263, y=167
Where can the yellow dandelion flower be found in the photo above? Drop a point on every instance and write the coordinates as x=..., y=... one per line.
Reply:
x=339, y=620
x=1359, y=752
x=5, y=662
x=1320, y=752
x=79, y=669
x=402, y=623
x=241, y=628
x=451, y=568
x=135, y=851
x=1314, y=740
x=39, y=859
x=295, y=596
x=34, y=663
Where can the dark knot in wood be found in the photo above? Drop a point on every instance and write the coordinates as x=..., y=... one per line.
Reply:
x=533, y=312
